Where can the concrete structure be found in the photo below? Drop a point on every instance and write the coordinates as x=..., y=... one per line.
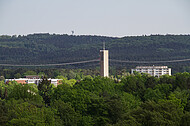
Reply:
x=153, y=70
x=34, y=81
x=104, y=63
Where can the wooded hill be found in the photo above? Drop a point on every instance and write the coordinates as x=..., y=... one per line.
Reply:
x=54, y=48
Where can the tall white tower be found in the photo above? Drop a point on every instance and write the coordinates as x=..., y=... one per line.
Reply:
x=104, y=63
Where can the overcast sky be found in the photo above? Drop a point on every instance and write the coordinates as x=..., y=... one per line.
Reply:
x=95, y=17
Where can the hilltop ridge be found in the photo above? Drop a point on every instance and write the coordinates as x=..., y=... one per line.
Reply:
x=54, y=48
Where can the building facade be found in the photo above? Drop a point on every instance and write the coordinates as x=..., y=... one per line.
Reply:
x=153, y=70
x=104, y=63
x=55, y=82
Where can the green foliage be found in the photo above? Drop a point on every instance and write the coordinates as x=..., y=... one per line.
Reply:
x=27, y=92
x=98, y=85
x=155, y=95
x=134, y=85
x=166, y=79
x=66, y=113
x=70, y=82
x=3, y=113
x=30, y=73
x=160, y=91
x=6, y=89
x=163, y=113
x=182, y=80
x=23, y=113
x=139, y=100
x=18, y=75
x=151, y=81
x=185, y=121
x=86, y=121
x=130, y=101
x=45, y=90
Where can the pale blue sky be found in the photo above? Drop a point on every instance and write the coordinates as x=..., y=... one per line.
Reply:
x=95, y=17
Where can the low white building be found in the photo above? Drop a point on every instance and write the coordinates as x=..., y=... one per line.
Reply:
x=34, y=81
x=153, y=70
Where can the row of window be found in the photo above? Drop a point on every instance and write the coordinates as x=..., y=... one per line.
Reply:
x=150, y=69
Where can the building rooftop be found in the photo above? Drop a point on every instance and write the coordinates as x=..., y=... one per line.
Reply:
x=151, y=67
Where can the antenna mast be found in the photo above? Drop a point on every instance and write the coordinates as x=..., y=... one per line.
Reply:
x=104, y=46
x=72, y=32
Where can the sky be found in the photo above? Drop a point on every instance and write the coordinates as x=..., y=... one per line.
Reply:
x=115, y=18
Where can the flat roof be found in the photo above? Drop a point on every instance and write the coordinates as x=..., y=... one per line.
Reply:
x=140, y=67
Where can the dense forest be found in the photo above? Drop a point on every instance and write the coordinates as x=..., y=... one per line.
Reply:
x=135, y=100
x=54, y=48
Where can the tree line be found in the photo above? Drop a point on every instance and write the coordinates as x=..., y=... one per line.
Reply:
x=134, y=99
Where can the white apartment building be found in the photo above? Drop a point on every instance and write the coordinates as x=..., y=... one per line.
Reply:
x=153, y=70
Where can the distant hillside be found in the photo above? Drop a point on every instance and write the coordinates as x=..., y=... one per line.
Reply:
x=52, y=48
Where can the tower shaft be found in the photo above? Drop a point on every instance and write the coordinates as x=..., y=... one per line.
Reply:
x=104, y=63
